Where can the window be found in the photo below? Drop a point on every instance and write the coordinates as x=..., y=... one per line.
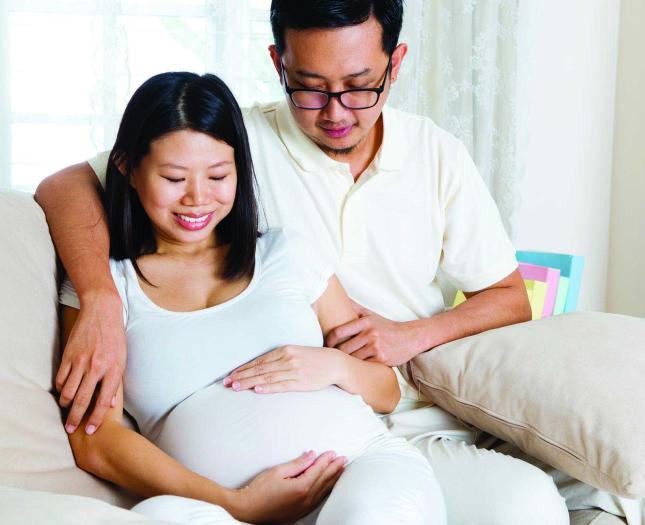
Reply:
x=67, y=69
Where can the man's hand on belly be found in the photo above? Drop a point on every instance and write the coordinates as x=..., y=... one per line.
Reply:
x=289, y=369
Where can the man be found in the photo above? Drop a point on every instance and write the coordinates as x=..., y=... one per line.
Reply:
x=390, y=198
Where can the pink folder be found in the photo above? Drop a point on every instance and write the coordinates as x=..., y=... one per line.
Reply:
x=551, y=276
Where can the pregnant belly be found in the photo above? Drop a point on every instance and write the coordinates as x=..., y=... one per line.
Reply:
x=230, y=437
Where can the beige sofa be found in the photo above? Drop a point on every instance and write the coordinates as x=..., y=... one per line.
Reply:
x=39, y=481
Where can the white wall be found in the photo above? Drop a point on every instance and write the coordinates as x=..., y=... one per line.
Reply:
x=565, y=194
x=626, y=279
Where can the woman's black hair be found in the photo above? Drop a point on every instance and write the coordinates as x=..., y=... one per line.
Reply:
x=170, y=102
x=330, y=14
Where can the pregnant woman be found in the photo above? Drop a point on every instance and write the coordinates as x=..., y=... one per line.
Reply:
x=226, y=377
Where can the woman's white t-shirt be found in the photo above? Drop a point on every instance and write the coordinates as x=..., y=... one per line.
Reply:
x=177, y=360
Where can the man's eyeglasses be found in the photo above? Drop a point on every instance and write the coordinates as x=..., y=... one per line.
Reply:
x=359, y=98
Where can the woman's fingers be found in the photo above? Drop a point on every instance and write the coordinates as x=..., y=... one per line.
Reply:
x=297, y=466
x=309, y=476
x=281, y=386
x=328, y=478
x=263, y=380
x=269, y=357
x=256, y=370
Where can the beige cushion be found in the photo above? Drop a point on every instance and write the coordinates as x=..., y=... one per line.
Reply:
x=23, y=507
x=569, y=390
x=34, y=451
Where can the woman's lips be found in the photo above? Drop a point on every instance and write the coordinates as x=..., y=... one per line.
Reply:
x=337, y=132
x=193, y=222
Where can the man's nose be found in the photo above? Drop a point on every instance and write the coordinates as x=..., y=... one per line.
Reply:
x=335, y=111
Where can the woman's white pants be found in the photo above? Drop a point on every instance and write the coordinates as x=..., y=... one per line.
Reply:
x=389, y=484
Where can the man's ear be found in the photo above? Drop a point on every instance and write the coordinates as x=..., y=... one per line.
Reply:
x=276, y=59
x=397, y=59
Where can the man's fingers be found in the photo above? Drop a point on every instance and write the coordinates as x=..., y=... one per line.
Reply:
x=81, y=402
x=68, y=390
x=352, y=345
x=342, y=333
x=107, y=394
x=359, y=309
x=364, y=353
x=63, y=372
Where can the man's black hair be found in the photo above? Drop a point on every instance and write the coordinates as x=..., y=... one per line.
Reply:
x=330, y=14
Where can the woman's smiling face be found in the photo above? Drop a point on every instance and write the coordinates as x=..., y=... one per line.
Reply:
x=186, y=185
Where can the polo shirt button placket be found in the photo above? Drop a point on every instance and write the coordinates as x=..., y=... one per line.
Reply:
x=353, y=227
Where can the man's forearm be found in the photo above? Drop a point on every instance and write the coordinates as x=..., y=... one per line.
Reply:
x=77, y=223
x=488, y=309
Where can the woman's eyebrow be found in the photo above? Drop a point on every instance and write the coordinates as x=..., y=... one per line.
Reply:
x=180, y=167
x=310, y=74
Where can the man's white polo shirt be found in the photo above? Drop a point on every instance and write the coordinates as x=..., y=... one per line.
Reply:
x=419, y=206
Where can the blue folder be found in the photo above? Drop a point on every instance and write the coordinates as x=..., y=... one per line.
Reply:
x=570, y=266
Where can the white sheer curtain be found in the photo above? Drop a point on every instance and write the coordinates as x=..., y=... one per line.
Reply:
x=465, y=71
x=68, y=67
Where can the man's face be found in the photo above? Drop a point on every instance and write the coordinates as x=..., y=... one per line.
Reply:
x=336, y=60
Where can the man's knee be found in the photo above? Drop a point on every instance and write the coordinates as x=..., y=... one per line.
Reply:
x=483, y=487
x=529, y=498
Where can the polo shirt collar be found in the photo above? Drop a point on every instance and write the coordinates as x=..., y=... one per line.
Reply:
x=311, y=158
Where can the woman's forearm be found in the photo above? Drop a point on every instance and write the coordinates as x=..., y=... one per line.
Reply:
x=375, y=382
x=129, y=460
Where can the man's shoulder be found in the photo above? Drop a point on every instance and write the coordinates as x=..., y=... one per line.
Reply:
x=259, y=112
x=423, y=131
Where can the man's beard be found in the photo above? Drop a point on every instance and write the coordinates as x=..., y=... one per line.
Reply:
x=337, y=151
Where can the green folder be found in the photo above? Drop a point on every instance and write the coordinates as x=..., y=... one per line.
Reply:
x=570, y=266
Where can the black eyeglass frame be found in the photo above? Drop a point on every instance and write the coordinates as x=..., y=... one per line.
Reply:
x=336, y=94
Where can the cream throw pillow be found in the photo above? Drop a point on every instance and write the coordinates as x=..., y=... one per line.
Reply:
x=569, y=390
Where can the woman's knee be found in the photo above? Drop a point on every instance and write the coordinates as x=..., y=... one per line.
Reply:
x=185, y=511
x=386, y=487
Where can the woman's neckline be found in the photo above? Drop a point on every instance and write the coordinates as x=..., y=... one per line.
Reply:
x=229, y=302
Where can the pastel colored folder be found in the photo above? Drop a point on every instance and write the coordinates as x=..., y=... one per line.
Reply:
x=536, y=291
x=550, y=276
x=459, y=298
x=561, y=297
x=570, y=266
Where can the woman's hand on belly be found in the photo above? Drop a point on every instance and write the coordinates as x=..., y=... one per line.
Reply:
x=289, y=491
x=290, y=369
